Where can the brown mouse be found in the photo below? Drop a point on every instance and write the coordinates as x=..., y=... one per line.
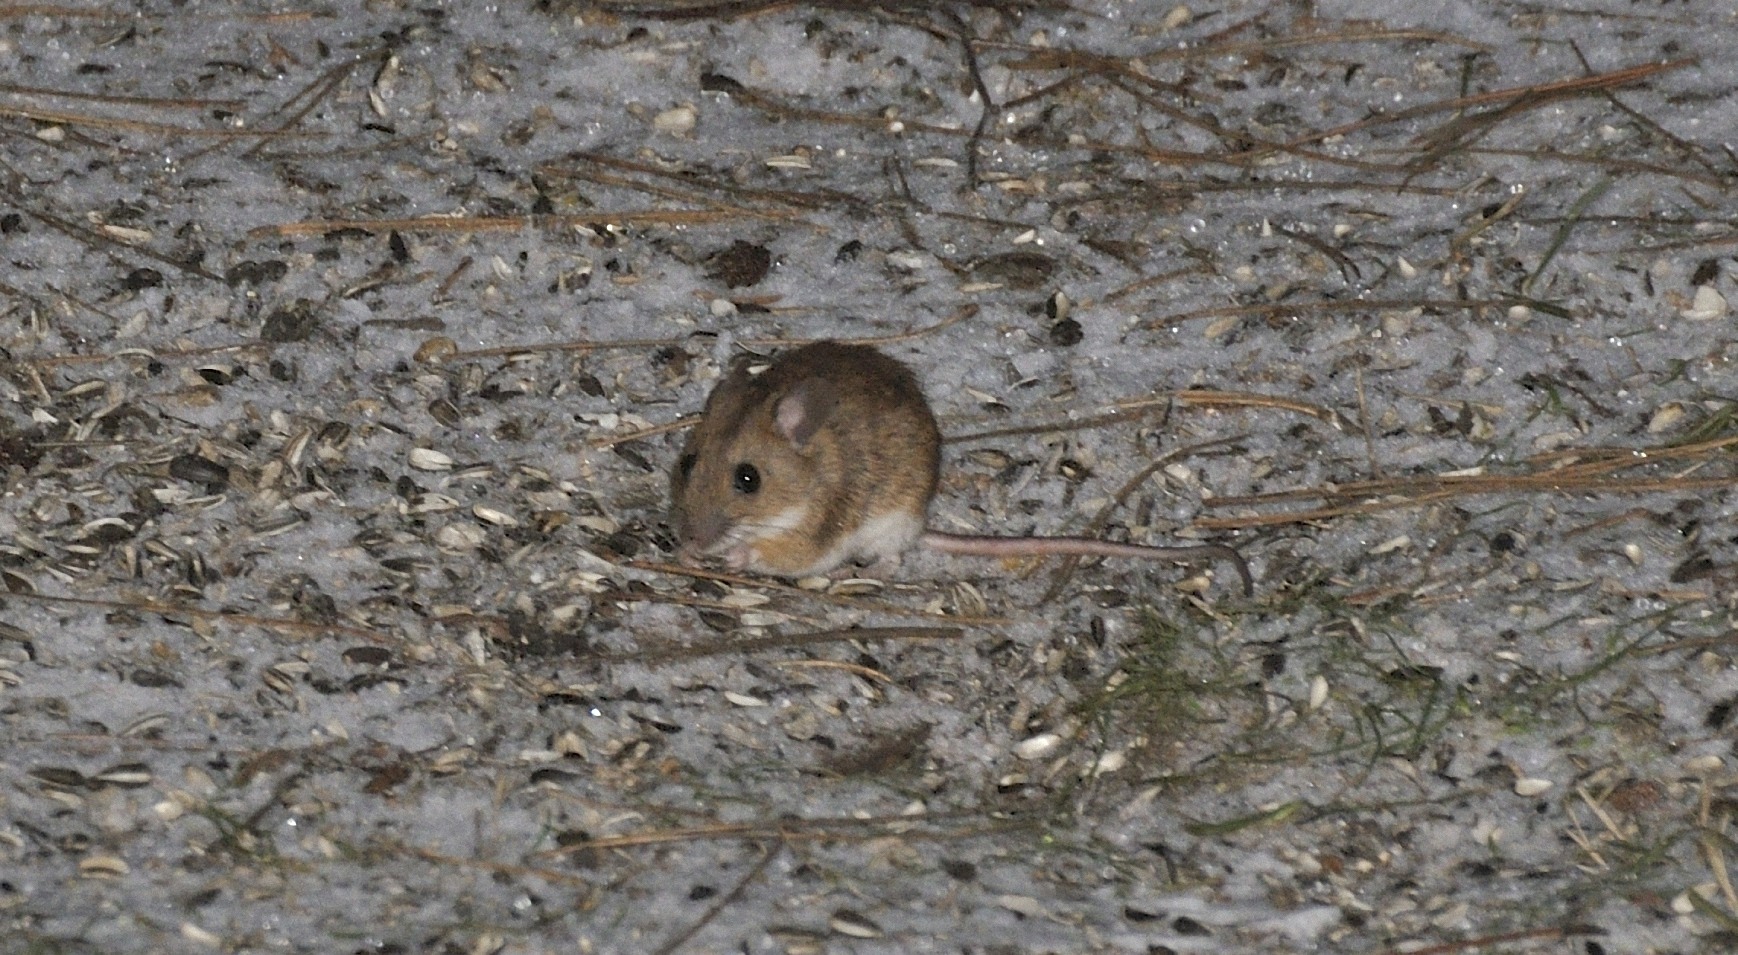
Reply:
x=832, y=454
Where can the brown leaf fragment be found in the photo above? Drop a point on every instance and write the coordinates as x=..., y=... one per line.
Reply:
x=881, y=756
x=740, y=265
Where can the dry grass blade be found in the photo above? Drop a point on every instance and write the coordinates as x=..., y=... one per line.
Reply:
x=311, y=96
x=1609, y=163
x=1587, y=471
x=97, y=240
x=1209, y=398
x=18, y=11
x=255, y=349
x=1554, y=933
x=154, y=102
x=1509, y=101
x=503, y=351
x=61, y=117
x=839, y=828
x=1129, y=410
x=687, y=187
x=767, y=853
x=1351, y=305
x=783, y=110
x=483, y=224
x=299, y=628
x=860, y=603
x=1096, y=526
x=658, y=656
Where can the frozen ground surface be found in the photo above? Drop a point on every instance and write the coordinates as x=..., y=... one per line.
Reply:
x=336, y=614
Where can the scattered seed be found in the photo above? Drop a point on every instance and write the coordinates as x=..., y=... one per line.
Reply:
x=146, y=725
x=1110, y=762
x=1666, y=418
x=283, y=677
x=452, y=761
x=1021, y=905
x=428, y=459
x=444, y=411
x=489, y=515
x=1531, y=786
x=1705, y=765
x=367, y=656
x=677, y=121
x=796, y=941
x=1682, y=904
x=433, y=503
x=297, y=446
x=460, y=538
x=102, y=867
x=1391, y=544
x=1037, y=747
x=1220, y=327
x=125, y=776
x=853, y=924
x=124, y=234
x=436, y=350
x=200, y=936
x=197, y=470
x=61, y=777
x=1709, y=304
x=281, y=524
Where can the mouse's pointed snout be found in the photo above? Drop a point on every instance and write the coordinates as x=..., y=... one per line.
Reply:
x=698, y=535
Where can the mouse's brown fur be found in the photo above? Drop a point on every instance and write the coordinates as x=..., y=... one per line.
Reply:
x=846, y=452
x=829, y=455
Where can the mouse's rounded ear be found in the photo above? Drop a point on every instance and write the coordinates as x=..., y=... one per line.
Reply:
x=802, y=410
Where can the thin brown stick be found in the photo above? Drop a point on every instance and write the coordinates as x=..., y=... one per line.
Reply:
x=1206, y=397
x=98, y=240
x=1526, y=96
x=1160, y=279
x=1590, y=476
x=824, y=199
x=658, y=656
x=1612, y=163
x=502, y=351
x=1096, y=525
x=150, y=101
x=1503, y=938
x=484, y=224
x=311, y=95
x=64, y=118
x=1330, y=307
x=276, y=624
x=843, y=600
x=767, y=853
x=1128, y=409
x=831, y=829
x=777, y=107
x=143, y=352
x=18, y=11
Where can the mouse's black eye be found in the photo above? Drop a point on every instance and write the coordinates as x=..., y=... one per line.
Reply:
x=746, y=480
x=685, y=466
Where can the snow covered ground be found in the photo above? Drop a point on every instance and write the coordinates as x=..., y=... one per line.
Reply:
x=344, y=350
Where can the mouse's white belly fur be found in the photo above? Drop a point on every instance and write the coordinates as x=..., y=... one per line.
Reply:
x=883, y=538
x=879, y=538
